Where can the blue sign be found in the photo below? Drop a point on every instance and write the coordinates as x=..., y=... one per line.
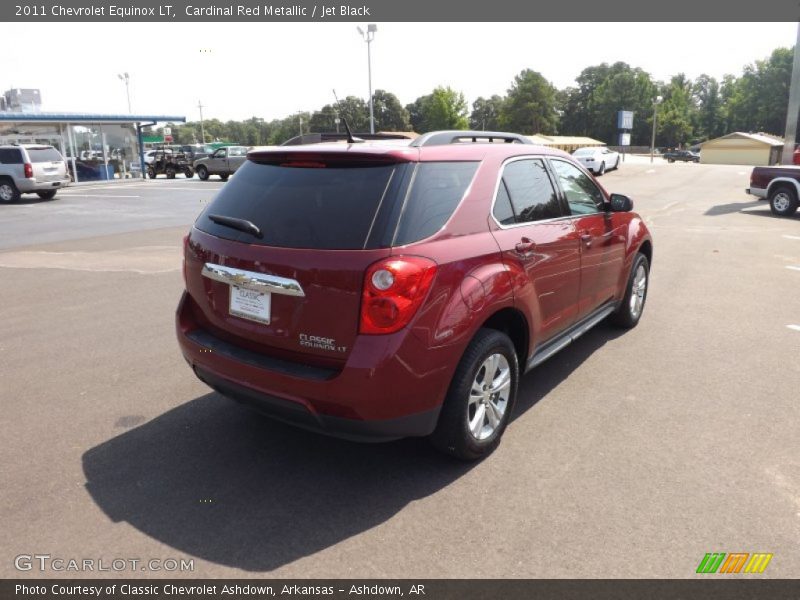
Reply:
x=625, y=119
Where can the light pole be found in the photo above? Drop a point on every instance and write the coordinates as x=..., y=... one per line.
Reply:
x=126, y=78
x=656, y=100
x=368, y=36
x=202, y=130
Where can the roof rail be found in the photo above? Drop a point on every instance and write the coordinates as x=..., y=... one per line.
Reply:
x=442, y=138
x=317, y=138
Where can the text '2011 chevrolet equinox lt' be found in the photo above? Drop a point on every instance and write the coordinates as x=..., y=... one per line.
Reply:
x=386, y=289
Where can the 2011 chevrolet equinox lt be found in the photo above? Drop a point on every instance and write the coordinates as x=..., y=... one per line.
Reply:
x=385, y=289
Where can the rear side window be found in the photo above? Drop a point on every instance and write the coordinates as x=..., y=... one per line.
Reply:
x=10, y=156
x=319, y=207
x=38, y=155
x=532, y=194
x=436, y=190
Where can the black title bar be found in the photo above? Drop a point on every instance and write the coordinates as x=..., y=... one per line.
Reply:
x=401, y=11
x=713, y=588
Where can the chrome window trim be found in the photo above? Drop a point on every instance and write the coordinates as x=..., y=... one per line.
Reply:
x=556, y=189
x=259, y=282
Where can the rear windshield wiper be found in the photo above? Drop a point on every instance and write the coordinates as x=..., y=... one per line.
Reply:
x=240, y=224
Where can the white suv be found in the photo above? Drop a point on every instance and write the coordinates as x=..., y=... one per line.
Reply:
x=31, y=169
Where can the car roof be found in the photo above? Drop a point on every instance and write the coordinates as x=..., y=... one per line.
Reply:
x=404, y=150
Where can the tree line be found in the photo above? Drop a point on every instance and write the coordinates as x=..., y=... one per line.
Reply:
x=689, y=111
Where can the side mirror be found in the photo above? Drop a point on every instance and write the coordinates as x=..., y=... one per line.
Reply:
x=620, y=203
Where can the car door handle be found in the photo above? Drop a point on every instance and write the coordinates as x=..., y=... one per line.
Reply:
x=586, y=239
x=525, y=246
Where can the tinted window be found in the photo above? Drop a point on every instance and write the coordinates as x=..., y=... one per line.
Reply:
x=532, y=194
x=297, y=207
x=502, y=207
x=583, y=196
x=44, y=154
x=10, y=156
x=436, y=190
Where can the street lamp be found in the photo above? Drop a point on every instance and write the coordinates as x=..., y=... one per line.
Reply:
x=656, y=100
x=368, y=36
x=126, y=78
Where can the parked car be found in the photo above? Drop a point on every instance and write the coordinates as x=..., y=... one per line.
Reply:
x=780, y=185
x=681, y=156
x=196, y=151
x=223, y=162
x=169, y=161
x=597, y=159
x=380, y=290
x=31, y=169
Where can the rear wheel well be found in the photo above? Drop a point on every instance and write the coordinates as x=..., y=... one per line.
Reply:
x=776, y=185
x=512, y=322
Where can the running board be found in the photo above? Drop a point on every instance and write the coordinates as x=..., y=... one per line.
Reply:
x=570, y=335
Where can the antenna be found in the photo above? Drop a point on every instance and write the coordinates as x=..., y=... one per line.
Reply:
x=350, y=138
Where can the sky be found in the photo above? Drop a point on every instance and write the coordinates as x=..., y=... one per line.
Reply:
x=273, y=70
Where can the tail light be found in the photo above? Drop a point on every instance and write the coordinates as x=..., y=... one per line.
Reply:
x=394, y=289
x=28, y=170
x=185, y=249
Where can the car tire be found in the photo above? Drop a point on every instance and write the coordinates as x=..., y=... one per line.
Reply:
x=47, y=195
x=473, y=419
x=151, y=172
x=616, y=164
x=189, y=173
x=8, y=191
x=630, y=310
x=202, y=173
x=601, y=170
x=170, y=171
x=670, y=160
x=783, y=201
x=224, y=176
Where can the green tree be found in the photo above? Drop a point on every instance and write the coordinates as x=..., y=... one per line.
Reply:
x=530, y=105
x=444, y=108
x=486, y=113
x=709, y=121
x=591, y=108
x=674, y=123
x=324, y=120
x=757, y=100
x=416, y=113
x=389, y=113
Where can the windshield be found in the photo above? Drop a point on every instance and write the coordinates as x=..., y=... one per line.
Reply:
x=583, y=151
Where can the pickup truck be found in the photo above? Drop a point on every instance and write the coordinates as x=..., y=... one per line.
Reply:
x=681, y=155
x=223, y=162
x=779, y=184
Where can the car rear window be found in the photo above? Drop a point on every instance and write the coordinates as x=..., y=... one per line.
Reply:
x=314, y=206
x=38, y=155
x=10, y=156
x=436, y=190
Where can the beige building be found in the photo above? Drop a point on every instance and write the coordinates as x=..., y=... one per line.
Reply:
x=568, y=143
x=740, y=148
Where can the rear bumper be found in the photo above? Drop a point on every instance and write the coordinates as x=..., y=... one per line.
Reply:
x=757, y=192
x=295, y=413
x=390, y=387
x=31, y=185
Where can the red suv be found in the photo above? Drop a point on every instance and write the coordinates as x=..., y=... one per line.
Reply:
x=385, y=289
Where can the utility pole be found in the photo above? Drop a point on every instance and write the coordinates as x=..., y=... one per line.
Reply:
x=202, y=131
x=794, y=106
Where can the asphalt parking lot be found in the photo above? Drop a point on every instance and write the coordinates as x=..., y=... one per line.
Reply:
x=631, y=454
